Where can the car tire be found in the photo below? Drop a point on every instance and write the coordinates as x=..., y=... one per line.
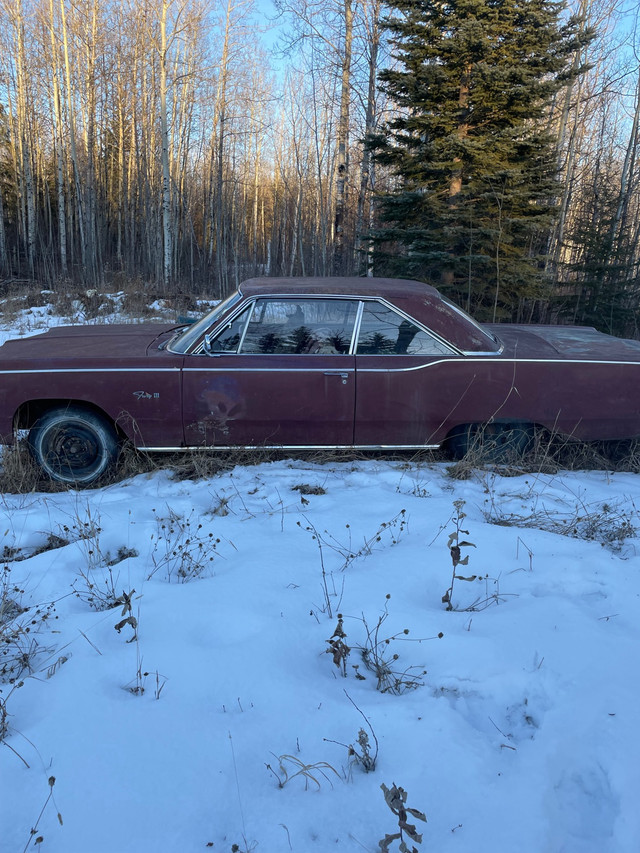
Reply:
x=74, y=445
x=499, y=443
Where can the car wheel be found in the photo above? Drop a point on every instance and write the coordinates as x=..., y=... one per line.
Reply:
x=73, y=445
x=496, y=442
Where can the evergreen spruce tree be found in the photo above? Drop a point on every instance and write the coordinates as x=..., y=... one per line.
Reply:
x=474, y=165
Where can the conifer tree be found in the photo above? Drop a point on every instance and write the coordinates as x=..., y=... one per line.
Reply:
x=468, y=146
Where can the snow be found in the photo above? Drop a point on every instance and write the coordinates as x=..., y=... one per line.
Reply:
x=522, y=736
x=26, y=319
x=514, y=732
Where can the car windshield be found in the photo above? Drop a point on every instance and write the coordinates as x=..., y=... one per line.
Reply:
x=183, y=342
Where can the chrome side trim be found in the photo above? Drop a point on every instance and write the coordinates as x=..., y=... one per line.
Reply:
x=303, y=369
x=203, y=369
x=458, y=361
x=95, y=370
x=210, y=447
x=495, y=361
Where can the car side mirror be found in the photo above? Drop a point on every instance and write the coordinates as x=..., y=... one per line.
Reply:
x=208, y=345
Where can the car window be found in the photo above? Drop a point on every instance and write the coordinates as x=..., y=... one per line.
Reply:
x=228, y=340
x=302, y=326
x=385, y=332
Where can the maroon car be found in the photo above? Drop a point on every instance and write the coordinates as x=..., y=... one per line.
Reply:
x=311, y=363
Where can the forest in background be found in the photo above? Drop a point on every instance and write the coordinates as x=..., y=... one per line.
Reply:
x=186, y=145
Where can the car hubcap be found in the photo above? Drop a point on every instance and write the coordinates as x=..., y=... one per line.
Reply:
x=74, y=450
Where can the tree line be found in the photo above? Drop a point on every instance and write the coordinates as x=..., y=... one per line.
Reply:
x=489, y=147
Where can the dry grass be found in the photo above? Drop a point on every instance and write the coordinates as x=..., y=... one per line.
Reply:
x=19, y=298
x=608, y=524
x=20, y=475
x=550, y=454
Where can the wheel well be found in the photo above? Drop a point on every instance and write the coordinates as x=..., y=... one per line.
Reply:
x=508, y=423
x=29, y=412
x=461, y=438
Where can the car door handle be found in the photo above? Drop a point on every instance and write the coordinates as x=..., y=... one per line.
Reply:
x=343, y=376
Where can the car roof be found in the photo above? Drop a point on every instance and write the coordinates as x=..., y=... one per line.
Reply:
x=339, y=286
x=412, y=297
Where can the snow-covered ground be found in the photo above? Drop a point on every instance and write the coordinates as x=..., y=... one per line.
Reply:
x=20, y=317
x=203, y=710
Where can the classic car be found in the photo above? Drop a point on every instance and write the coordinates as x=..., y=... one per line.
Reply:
x=311, y=363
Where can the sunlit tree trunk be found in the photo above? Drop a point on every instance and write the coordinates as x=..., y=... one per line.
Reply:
x=4, y=260
x=70, y=110
x=58, y=144
x=342, y=166
x=619, y=222
x=167, y=223
x=568, y=134
x=220, y=129
x=22, y=127
x=364, y=246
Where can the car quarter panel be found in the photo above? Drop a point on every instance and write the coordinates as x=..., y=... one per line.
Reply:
x=418, y=401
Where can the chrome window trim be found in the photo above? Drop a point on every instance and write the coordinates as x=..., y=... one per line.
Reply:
x=199, y=347
x=252, y=300
x=250, y=313
x=451, y=347
x=361, y=299
x=356, y=328
x=492, y=337
x=189, y=329
x=471, y=352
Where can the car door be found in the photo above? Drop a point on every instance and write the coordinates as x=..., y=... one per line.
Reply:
x=280, y=372
x=398, y=366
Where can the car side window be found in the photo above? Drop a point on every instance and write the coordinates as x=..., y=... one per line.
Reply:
x=385, y=332
x=228, y=340
x=300, y=326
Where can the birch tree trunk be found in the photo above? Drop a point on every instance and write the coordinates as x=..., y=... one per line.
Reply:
x=23, y=120
x=626, y=178
x=342, y=166
x=167, y=224
x=4, y=260
x=568, y=137
x=72, y=136
x=218, y=201
x=58, y=144
x=364, y=247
